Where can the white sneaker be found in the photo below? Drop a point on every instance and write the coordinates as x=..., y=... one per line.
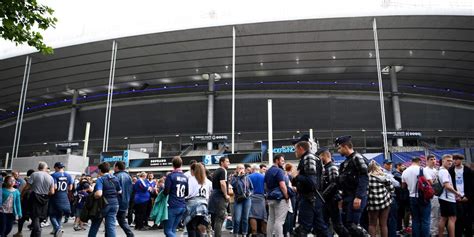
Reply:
x=44, y=224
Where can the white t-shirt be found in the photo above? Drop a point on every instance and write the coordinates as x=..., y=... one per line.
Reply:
x=459, y=179
x=444, y=177
x=410, y=177
x=198, y=190
x=433, y=172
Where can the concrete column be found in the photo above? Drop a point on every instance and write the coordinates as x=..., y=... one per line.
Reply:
x=72, y=119
x=396, y=102
x=210, y=108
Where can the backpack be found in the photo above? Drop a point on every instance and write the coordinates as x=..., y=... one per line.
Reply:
x=424, y=189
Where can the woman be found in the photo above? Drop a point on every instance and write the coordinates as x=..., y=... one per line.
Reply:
x=11, y=206
x=24, y=197
x=379, y=199
x=142, y=190
x=200, y=187
x=243, y=188
x=290, y=217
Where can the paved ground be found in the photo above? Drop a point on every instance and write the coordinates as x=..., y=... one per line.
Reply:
x=68, y=231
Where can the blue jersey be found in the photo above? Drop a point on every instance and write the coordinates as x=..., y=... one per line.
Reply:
x=176, y=186
x=62, y=180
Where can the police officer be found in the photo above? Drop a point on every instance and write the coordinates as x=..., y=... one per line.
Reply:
x=353, y=181
x=308, y=178
x=331, y=193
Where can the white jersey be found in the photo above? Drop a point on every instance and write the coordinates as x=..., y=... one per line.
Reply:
x=198, y=190
x=410, y=177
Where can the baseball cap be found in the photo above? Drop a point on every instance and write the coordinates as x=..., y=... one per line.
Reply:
x=58, y=165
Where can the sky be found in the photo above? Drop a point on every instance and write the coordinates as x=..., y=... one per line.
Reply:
x=94, y=20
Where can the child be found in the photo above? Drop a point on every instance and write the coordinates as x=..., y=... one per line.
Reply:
x=11, y=206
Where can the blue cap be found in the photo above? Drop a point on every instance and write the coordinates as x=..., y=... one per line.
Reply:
x=321, y=150
x=341, y=140
x=304, y=138
x=58, y=165
x=387, y=162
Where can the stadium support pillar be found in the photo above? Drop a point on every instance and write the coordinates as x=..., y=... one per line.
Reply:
x=210, y=108
x=396, y=102
x=72, y=119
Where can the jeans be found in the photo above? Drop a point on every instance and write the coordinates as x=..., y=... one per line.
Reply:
x=277, y=210
x=311, y=216
x=121, y=219
x=241, y=214
x=174, y=217
x=6, y=223
x=110, y=214
x=392, y=219
x=36, y=223
x=420, y=218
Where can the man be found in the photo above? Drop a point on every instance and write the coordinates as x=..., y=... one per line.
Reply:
x=277, y=196
x=219, y=196
x=447, y=199
x=433, y=171
x=125, y=182
x=106, y=187
x=258, y=212
x=263, y=168
x=402, y=198
x=60, y=205
x=42, y=185
x=19, y=182
x=353, y=180
x=308, y=179
x=331, y=193
x=420, y=211
x=176, y=188
x=248, y=168
x=462, y=177
x=392, y=216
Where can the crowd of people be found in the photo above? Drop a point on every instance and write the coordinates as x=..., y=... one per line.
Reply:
x=357, y=198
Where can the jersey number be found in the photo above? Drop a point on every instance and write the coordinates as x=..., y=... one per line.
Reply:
x=180, y=188
x=202, y=191
x=62, y=186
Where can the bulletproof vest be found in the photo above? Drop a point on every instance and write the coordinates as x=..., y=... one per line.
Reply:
x=326, y=180
x=313, y=172
x=354, y=165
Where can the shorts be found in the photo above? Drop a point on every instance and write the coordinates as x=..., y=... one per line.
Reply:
x=447, y=208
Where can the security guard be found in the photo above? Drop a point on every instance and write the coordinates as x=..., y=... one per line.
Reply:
x=331, y=193
x=353, y=181
x=307, y=181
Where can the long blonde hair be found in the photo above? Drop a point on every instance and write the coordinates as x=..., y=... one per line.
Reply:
x=199, y=172
x=375, y=169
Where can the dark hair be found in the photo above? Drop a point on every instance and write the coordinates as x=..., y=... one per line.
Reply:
x=415, y=159
x=277, y=157
x=177, y=162
x=104, y=167
x=457, y=156
x=29, y=172
x=5, y=181
x=192, y=162
x=246, y=166
x=222, y=160
x=302, y=144
x=263, y=165
x=120, y=165
x=430, y=156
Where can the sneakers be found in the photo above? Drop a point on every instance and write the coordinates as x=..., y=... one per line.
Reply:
x=19, y=234
x=59, y=233
x=44, y=224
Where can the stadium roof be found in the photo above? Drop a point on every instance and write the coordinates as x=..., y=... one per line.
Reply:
x=436, y=53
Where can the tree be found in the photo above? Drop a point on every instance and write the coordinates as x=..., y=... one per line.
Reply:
x=22, y=20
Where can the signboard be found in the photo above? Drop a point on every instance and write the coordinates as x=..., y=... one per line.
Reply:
x=404, y=134
x=67, y=145
x=254, y=157
x=114, y=156
x=209, y=138
x=284, y=147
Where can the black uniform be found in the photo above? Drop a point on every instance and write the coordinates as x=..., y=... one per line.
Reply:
x=310, y=203
x=354, y=180
x=332, y=196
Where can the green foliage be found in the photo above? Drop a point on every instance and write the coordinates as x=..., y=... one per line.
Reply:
x=21, y=21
